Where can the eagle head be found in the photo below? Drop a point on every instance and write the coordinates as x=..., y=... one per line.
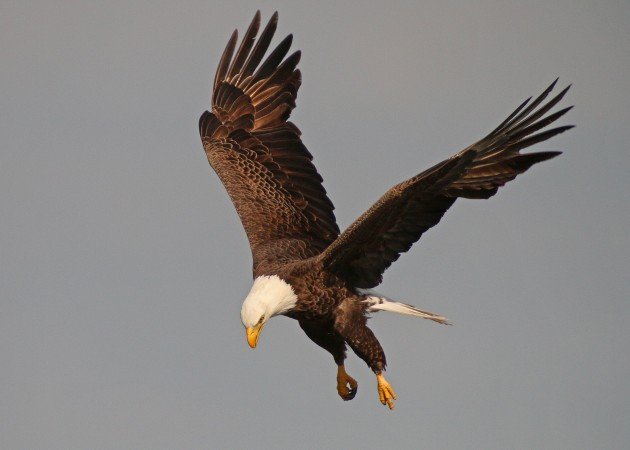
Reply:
x=270, y=295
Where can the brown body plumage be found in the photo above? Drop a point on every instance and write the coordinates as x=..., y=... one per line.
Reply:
x=289, y=220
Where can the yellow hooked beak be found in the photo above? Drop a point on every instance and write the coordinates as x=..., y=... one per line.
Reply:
x=253, y=333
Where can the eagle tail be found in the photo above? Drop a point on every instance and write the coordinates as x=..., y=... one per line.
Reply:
x=377, y=303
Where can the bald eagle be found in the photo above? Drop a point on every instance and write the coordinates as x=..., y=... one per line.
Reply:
x=303, y=267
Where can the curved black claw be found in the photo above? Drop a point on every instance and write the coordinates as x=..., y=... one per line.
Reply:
x=349, y=393
x=346, y=385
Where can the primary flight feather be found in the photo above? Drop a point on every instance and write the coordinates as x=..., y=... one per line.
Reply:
x=303, y=267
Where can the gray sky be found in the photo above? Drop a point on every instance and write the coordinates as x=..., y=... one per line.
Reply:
x=123, y=264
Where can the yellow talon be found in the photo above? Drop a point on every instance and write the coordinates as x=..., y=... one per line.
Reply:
x=346, y=385
x=386, y=393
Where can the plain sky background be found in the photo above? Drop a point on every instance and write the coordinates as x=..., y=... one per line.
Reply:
x=124, y=265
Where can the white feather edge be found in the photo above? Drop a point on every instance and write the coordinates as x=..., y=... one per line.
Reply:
x=377, y=302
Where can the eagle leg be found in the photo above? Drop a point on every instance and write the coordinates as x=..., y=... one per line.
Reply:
x=346, y=385
x=351, y=324
x=324, y=335
x=386, y=393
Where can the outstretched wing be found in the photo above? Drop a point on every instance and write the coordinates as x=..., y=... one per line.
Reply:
x=368, y=247
x=258, y=154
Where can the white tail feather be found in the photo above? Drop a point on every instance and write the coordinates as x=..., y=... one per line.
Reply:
x=383, y=304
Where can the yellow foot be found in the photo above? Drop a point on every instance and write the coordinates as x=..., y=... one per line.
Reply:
x=346, y=385
x=386, y=393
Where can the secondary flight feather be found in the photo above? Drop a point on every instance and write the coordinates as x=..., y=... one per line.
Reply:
x=303, y=267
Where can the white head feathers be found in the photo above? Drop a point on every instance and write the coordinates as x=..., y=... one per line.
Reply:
x=269, y=296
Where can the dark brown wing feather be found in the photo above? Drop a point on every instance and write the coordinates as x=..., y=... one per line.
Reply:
x=376, y=239
x=258, y=154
